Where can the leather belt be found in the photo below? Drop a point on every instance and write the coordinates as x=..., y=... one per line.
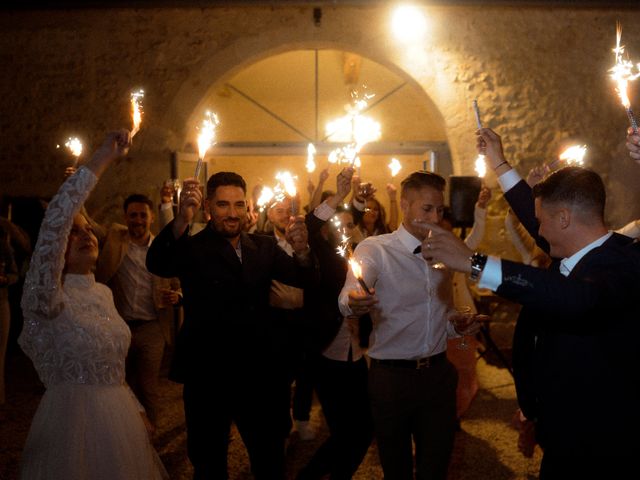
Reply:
x=418, y=364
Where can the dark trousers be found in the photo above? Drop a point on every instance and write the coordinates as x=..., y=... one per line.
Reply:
x=414, y=404
x=587, y=466
x=250, y=397
x=342, y=390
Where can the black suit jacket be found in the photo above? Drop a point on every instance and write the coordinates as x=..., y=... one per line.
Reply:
x=574, y=363
x=227, y=322
x=321, y=303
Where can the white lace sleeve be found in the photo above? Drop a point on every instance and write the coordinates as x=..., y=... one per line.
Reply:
x=42, y=289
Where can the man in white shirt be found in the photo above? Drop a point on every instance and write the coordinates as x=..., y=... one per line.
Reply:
x=412, y=385
x=574, y=368
x=145, y=301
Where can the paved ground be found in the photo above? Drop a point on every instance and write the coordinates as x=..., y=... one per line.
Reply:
x=485, y=446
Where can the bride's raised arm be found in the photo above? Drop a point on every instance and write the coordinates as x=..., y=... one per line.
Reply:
x=42, y=296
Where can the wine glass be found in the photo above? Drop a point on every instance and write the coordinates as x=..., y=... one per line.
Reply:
x=174, y=184
x=461, y=320
x=421, y=224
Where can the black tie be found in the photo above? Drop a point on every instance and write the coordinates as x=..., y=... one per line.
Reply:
x=418, y=249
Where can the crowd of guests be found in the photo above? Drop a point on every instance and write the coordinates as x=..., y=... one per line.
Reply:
x=262, y=311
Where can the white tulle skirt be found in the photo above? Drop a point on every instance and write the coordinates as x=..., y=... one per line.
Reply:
x=89, y=432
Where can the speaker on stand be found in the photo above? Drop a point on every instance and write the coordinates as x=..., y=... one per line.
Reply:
x=463, y=194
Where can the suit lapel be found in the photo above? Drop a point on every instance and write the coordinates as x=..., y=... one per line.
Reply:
x=249, y=257
x=220, y=246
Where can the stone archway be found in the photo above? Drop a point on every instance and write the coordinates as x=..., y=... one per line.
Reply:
x=413, y=124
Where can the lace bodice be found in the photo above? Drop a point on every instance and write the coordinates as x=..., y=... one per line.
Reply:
x=72, y=331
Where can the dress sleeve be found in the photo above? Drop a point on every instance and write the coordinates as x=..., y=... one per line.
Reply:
x=43, y=284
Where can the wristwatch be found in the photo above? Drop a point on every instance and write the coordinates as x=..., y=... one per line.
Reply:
x=478, y=261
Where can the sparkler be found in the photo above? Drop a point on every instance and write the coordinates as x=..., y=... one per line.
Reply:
x=286, y=186
x=476, y=111
x=344, y=248
x=136, y=110
x=481, y=166
x=206, y=138
x=357, y=272
x=311, y=164
x=354, y=128
x=266, y=195
x=394, y=166
x=289, y=185
x=622, y=73
x=75, y=147
x=574, y=155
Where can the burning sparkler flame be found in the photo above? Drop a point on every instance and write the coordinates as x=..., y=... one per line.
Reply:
x=574, y=155
x=265, y=197
x=622, y=73
x=75, y=146
x=355, y=268
x=394, y=166
x=311, y=164
x=354, y=128
x=288, y=181
x=136, y=110
x=206, y=138
x=481, y=166
x=344, y=248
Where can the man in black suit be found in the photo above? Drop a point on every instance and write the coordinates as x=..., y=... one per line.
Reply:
x=229, y=343
x=574, y=364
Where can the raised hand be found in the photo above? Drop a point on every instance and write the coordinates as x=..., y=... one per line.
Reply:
x=343, y=182
x=297, y=235
x=484, y=197
x=489, y=144
x=633, y=145
x=443, y=246
x=537, y=174
x=115, y=145
x=190, y=201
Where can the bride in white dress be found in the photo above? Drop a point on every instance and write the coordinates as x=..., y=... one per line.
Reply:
x=88, y=424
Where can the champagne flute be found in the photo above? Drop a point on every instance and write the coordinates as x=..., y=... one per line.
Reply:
x=421, y=224
x=461, y=320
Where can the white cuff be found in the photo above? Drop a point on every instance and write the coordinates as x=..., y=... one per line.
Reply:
x=509, y=179
x=324, y=212
x=491, y=276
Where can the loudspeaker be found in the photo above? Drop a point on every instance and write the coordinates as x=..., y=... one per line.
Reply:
x=463, y=194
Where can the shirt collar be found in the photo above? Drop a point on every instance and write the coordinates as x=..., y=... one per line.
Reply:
x=568, y=264
x=407, y=239
x=151, y=237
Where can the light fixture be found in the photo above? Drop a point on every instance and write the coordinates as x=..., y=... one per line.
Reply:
x=408, y=23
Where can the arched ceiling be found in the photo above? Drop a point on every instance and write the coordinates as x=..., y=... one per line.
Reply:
x=290, y=97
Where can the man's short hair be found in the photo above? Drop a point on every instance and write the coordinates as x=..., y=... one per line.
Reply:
x=421, y=179
x=223, y=179
x=137, y=198
x=576, y=187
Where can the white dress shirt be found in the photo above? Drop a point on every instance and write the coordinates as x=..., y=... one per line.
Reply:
x=282, y=295
x=415, y=300
x=133, y=285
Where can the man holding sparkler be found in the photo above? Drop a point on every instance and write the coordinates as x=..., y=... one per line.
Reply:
x=229, y=344
x=412, y=385
x=574, y=364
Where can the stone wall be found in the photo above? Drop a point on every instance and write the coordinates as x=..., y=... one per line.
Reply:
x=540, y=75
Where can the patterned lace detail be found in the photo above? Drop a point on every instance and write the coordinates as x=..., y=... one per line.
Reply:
x=72, y=331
